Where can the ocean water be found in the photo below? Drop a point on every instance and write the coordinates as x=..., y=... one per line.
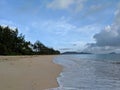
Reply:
x=89, y=72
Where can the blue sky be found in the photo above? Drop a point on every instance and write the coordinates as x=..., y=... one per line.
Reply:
x=62, y=24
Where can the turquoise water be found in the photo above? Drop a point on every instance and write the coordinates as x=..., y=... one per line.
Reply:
x=89, y=72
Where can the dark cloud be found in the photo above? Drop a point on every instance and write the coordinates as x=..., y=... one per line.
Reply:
x=108, y=39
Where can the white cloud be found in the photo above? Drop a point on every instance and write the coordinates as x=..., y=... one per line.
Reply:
x=74, y=5
x=89, y=29
x=63, y=33
x=73, y=46
x=59, y=27
x=63, y=27
x=99, y=7
x=60, y=4
x=78, y=45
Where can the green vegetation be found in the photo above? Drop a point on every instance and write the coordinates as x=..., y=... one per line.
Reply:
x=13, y=43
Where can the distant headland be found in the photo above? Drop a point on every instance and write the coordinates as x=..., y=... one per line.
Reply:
x=71, y=52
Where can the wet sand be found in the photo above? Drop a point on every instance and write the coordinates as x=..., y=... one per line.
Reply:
x=28, y=72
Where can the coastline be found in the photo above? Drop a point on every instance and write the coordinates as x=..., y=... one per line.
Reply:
x=28, y=72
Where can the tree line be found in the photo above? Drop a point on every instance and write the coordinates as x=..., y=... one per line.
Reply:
x=13, y=43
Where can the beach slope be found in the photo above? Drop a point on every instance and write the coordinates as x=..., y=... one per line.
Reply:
x=28, y=72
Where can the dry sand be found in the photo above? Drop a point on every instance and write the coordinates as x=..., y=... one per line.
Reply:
x=28, y=72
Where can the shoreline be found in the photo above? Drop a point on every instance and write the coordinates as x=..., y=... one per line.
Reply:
x=28, y=72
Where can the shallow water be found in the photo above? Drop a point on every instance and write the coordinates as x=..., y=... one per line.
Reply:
x=89, y=72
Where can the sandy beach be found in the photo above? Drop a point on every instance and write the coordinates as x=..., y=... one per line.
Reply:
x=28, y=72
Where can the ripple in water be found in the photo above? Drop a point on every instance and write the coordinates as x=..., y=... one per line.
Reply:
x=87, y=72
